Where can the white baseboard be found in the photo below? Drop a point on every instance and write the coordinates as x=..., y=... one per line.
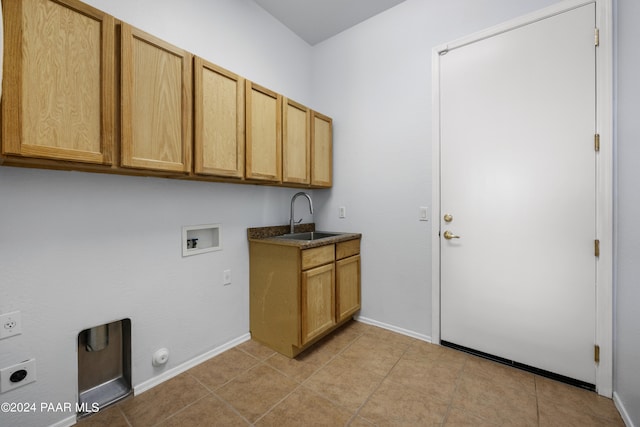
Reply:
x=623, y=412
x=142, y=387
x=393, y=328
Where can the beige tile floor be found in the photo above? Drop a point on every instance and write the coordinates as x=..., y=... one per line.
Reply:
x=359, y=376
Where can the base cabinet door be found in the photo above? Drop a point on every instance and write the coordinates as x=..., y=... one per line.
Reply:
x=156, y=103
x=59, y=80
x=318, y=301
x=347, y=287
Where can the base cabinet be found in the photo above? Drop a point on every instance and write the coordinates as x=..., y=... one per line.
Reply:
x=298, y=296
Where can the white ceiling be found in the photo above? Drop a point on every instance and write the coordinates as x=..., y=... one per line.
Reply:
x=317, y=20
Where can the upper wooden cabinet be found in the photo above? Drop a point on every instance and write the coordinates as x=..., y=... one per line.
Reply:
x=296, y=143
x=219, y=121
x=156, y=103
x=65, y=106
x=321, y=150
x=59, y=79
x=264, y=133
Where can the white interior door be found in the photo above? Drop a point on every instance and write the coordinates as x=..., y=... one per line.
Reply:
x=518, y=178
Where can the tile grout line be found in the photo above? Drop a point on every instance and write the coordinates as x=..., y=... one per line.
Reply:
x=455, y=389
x=335, y=356
x=126, y=419
x=357, y=412
x=332, y=358
x=182, y=409
x=301, y=383
x=268, y=411
x=217, y=396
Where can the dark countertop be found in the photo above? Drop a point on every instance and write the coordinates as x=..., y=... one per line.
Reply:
x=267, y=234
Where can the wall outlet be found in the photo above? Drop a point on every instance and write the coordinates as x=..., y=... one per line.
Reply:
x=226, y=277
x=17, y=375
x=10, y=324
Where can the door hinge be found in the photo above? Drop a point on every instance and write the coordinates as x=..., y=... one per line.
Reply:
x=597, y=37
x=596, y=353
x=596, y=141
x=597, y=248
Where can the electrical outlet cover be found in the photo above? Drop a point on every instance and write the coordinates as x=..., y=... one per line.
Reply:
x=10, y=324
x=20, y=378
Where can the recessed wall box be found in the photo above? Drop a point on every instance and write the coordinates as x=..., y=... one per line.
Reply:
x=198, y=239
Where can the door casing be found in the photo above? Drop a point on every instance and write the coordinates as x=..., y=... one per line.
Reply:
x=604, y=173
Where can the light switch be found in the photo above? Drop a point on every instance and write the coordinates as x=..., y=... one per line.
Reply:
x=342, y=212
x=424, y=214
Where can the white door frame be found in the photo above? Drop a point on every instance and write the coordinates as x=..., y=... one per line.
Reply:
x=604, y=173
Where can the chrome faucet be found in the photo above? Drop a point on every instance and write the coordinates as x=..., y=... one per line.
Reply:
x=292, y=221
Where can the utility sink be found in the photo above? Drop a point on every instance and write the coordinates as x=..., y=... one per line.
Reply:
x=309, y=235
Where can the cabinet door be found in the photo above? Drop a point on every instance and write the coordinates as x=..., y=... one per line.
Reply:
x=264, y=133
x=58, y=87
x=347, y=286
x=219, y=121
x=321, y=150
x=156, y=103
x=296, y=143
x=318, y=301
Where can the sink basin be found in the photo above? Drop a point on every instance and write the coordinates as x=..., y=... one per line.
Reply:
x=309, y=235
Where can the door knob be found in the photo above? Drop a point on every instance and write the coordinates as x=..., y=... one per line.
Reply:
x=449, y=235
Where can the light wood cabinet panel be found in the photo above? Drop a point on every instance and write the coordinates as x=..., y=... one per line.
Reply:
x=348, y=248
x=274, y=296
x=317, y=256
x=318, y=301
x=66, y=106
x=347, y=287
x=59, y=80
x=321, y=150
x=296, y=143
x=156, y=103
x=219, y=121
x=299, y=295
x=264, y=134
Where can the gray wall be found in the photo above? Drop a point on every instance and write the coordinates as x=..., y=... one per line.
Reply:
x=627, y=235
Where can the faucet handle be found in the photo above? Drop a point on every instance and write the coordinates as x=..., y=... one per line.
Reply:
x=298, y=221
